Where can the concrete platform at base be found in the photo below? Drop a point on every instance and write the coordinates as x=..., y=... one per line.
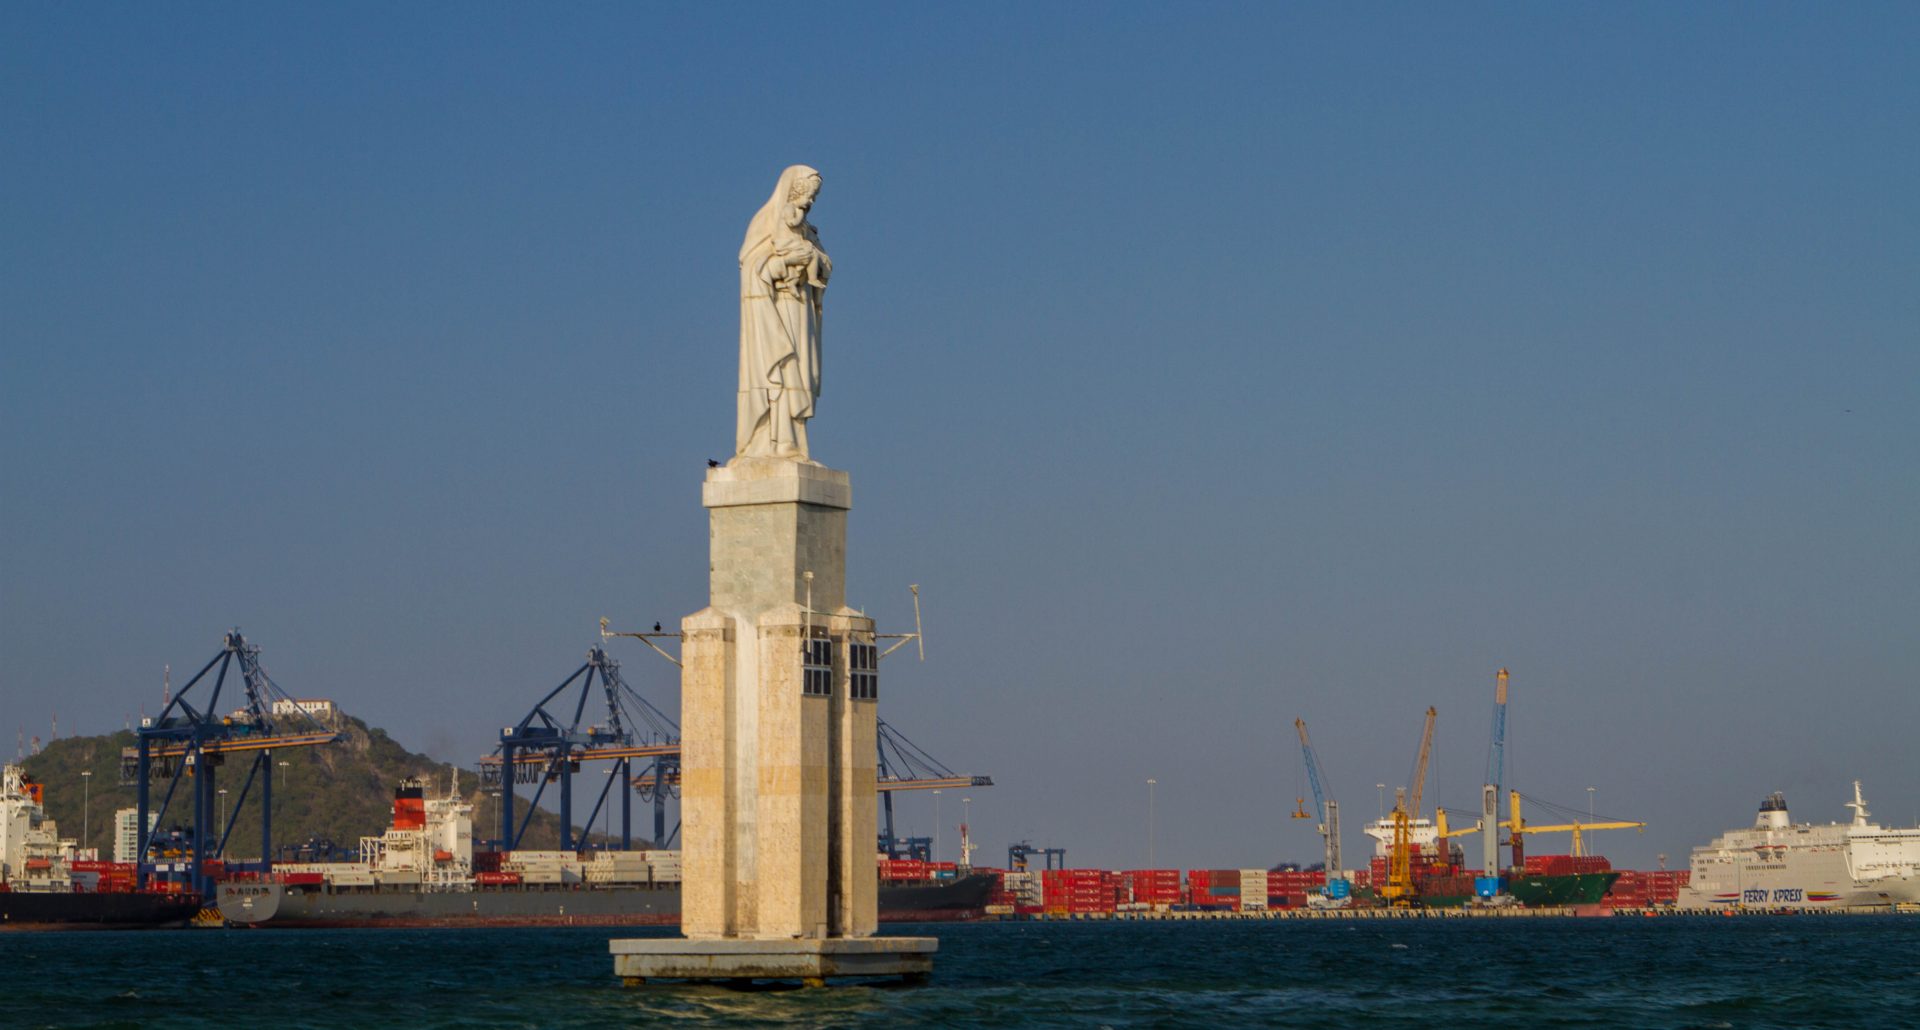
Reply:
x=636, y=961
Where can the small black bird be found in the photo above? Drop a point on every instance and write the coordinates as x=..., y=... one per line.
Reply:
x=656, y=627
x=712, y=464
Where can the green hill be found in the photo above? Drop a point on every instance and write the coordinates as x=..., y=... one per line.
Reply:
x=341, y=792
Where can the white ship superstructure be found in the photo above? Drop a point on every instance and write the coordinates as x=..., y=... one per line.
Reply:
x=33, y=857
x=1420, y=832
x=1780, y=864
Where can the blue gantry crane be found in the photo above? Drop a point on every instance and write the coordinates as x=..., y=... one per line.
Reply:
x=1017, y=855
x=189, y=742
x=550, y=742
x=904, y=765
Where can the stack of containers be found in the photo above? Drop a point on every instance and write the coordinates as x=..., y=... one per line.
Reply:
x=1289, y=888
x=664, y=865
x=1566, y=865
x=1001, y=899
x=1253, y=889
x=1155, y=888
x=103, y=877
x=1215, y=889
x=1635, y=889
x=1663, y=886
x=942, y=871
x=1024, y=889
x=544, y=867
x=1077, y=891
x=1422, y=867
x=893, y=870
x=610, y=867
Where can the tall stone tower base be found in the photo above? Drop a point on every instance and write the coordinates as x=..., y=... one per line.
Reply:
x=779, y=679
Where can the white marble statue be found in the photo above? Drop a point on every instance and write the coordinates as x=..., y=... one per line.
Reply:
x=783, y=280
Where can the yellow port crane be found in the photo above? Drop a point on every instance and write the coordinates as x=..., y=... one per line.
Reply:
x=1441, y=832
x=1517, y=827
x=1399, y=891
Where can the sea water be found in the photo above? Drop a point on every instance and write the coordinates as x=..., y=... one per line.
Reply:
x=1626, y=972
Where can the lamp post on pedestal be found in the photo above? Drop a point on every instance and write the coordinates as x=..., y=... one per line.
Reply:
x=1150, y=782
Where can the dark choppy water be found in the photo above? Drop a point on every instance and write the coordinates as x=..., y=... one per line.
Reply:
x=1676, y=972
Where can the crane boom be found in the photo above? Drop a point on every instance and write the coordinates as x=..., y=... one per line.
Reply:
x=1329, y=811
x=1420, y=767
x=1519, y=828
x=1497, y=756
x=1313, y=770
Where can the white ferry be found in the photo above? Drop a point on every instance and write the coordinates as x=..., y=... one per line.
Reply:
x=1780, y=864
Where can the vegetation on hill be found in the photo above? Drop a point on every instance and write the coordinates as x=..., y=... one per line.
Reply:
x=340, y=792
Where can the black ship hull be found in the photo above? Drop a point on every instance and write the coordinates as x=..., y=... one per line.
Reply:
x=24, y=910
x=275, y=905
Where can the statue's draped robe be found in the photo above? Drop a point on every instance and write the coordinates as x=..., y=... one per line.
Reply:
x=779, y=337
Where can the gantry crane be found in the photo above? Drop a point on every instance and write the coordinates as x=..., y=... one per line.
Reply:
x=1517, y=826
x=1329, y=811
x=904, y=766
x=188, y=742
x=901, y=765
x=1017, y=855
x=546, y=746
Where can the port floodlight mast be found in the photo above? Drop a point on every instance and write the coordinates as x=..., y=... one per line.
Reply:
x=189, y=742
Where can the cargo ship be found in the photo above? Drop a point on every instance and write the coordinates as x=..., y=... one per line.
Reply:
x=45, y=884
x=1545, y=886
x=1441, y=879
x=1780, y=864
x=423, y=871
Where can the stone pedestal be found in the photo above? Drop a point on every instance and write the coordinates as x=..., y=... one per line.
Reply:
x=778, y=687
x=809, y=960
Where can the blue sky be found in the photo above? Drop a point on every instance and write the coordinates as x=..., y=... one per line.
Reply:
x=1207, y=366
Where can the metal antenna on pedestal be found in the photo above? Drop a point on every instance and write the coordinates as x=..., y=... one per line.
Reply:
x=645, y=638
x=806, y=615
x=900, y=639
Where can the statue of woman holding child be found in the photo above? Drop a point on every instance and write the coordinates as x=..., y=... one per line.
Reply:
x=783, y=280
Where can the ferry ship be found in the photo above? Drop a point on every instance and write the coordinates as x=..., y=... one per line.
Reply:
x=1781, y=864
x=423, y=871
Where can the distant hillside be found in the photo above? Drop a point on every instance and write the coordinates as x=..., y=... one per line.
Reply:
x=342, y=792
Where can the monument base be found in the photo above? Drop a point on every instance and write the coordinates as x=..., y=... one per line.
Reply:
x=811, y=961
